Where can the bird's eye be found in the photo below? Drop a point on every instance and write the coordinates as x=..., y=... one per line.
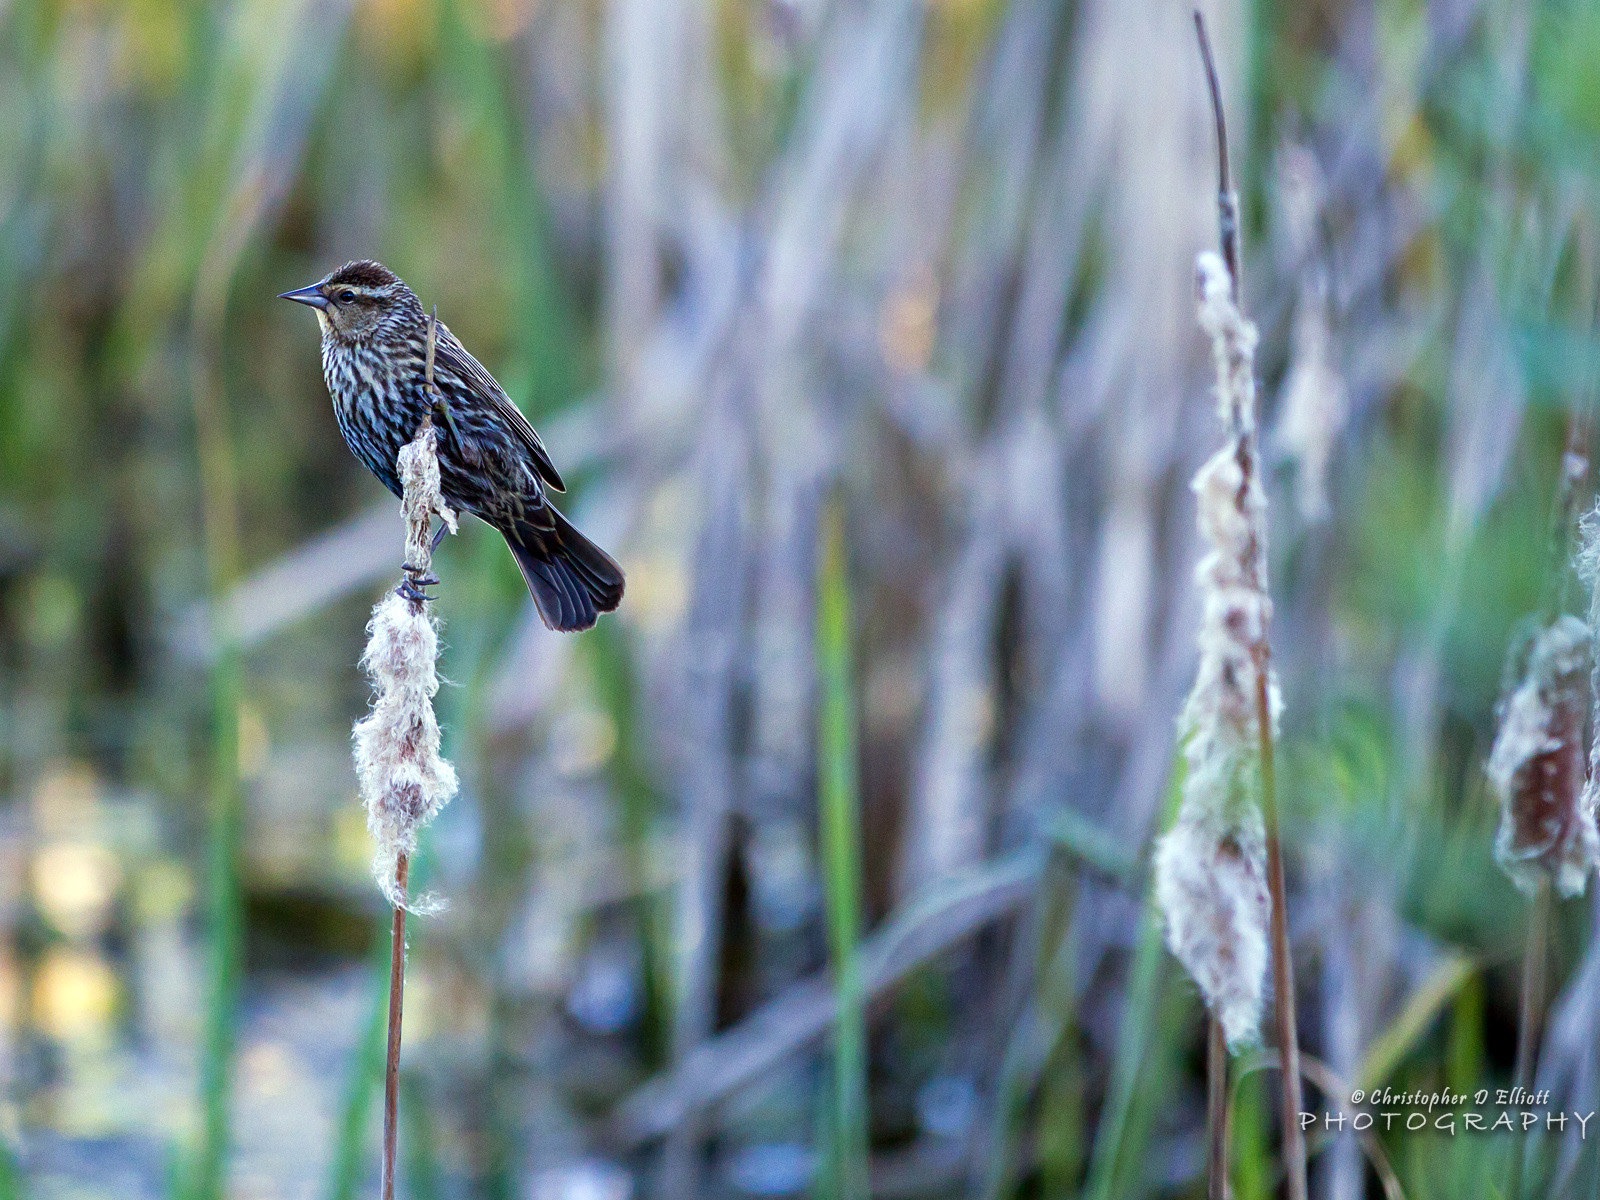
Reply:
x=346, y=296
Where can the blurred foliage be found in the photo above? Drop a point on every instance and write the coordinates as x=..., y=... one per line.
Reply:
x=850, y=216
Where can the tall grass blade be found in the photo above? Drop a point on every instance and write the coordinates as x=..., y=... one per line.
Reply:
x=617, y=686
x=350, y=1162
x=224, y=930
x=11, y=1179
x=1390, y=1046
x=1115, y=1135
x=225, y=834
x=841, y=856
x=361, y=1086
x=545, y=327
x=422, y=1160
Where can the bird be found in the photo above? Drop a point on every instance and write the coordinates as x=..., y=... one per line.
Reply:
x=491, y=462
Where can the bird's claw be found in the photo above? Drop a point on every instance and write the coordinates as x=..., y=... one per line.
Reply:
x=411, y=587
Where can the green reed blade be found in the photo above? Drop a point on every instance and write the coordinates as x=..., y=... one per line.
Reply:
x=841, y=856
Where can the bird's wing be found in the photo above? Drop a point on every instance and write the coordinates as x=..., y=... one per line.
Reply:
x=452, y=357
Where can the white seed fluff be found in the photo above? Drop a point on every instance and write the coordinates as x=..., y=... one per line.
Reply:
x=1588, y=567
x=404, y=780
x=1210, y=868
x=1211, y=883
x=1547, y=824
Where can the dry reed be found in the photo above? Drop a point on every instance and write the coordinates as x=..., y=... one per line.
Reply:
x=1547, y=834
x=1547, y=841
x=404, y=778
x=1219, y=871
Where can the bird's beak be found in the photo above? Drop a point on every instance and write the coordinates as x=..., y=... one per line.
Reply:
x=307, y=295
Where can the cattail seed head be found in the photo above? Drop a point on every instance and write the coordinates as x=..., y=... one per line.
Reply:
x=1547, y=830
x=422, y=500
x=404, y=779
x=1210, y=868
x=1588, y=569
x=1211, y=883
x=1233, y=343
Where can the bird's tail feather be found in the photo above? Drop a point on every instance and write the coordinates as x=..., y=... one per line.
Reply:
x=572, y=580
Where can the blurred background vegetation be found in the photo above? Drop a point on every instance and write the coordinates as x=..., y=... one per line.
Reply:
x=864, y=330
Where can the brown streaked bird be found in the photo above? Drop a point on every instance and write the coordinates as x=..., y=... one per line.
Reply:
x=491, y=462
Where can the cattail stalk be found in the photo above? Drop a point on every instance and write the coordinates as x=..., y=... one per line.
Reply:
x=1294, y=1146
x=1219, y=871
x=391, y=1061
x=1530, y=1019
x=1547, y=843
x=1216, y=1111
x=404, y=779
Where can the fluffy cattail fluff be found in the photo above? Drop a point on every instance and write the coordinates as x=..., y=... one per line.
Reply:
x=1588, y=566
x=1547, y=827
x=1210, y=869
x=404, y=779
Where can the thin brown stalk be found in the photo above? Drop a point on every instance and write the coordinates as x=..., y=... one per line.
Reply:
x=1530, y=1020
x=1216, y=1111
x=391, y=1065
x=1227, y=199
x=397, y=927
x=1564, y=513
x=1294, y=1143
x=404, y=779
x=1294, y=1147
x=1337, y=1092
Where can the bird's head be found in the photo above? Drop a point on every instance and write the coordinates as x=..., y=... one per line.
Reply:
x=358, y=300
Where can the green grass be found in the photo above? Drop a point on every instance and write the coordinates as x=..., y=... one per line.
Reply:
x=350, y=1163
x=545, y=332
x=224, y=935
x=617, y=687
x=1125, y=1121
x=418, y=1149
x=218, y=471
x=12, y=1184
x=840, y=815
x=459, y=158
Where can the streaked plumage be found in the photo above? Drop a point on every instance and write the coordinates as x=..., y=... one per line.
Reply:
x=491, y=462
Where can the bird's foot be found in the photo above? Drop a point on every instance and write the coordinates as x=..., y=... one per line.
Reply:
x=411, y=587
